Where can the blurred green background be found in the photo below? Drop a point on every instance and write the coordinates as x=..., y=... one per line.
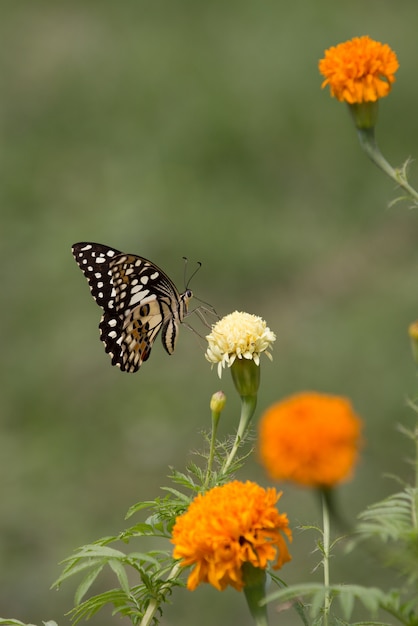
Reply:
x=174, y=128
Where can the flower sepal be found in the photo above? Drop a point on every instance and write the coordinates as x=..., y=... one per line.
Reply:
x=246, y=376
x=254, y=580
x=364, y=114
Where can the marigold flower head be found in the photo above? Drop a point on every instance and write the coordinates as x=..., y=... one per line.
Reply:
x=238, y=335
x=226, y=527
x=413, y=330
x=359, y=70
x=312, y=439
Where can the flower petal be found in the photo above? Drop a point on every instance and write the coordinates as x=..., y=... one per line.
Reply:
x=359, y=70
x=228, y=526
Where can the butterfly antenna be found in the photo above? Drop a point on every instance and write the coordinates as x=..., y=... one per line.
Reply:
x=204, y=307
x=187, y=282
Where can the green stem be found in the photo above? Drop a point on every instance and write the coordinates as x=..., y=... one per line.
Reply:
x=326, y=548
x=248, y=404
x=369, y=145
x=415, y=512
x=154, y=604
x=215, y=422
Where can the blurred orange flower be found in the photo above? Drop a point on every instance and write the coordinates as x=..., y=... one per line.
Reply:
x=227, y=527
x=359, y=70
x=312, y=439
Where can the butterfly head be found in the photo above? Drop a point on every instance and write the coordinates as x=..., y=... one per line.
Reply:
x=184, y=302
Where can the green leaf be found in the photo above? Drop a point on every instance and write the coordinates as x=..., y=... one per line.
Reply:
x=318, y=601
x=13, y=622
x=90, y=607
x=144, y=529
x=371, y=597
x=87, y=582
x=138, y=507
x=96, y=551
x=181, y=497
x=72, y=569
x=346, y=601
x=120, y=572
x=294, y=592
x=144, y=557
x=16, y=622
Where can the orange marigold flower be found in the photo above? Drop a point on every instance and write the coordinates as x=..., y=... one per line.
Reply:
x=227, y=527
x=310, y=438
x=359, y=70
x=413, y=334
x=413, y=330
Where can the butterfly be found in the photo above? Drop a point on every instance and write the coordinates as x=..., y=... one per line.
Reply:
x=138, y=300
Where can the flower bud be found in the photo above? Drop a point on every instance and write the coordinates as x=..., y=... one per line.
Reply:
x=217, y=402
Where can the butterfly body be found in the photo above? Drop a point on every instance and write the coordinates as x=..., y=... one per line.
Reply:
x=138, y=300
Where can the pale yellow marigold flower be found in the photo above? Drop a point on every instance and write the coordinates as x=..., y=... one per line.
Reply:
x=238, y=335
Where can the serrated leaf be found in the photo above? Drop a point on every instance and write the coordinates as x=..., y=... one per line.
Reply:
x=86, y=583
x=144, y=529
x=346, y=601
x=178, y=494
x=143, y=557
x=90, y=607
x=138, y=507
x=103, y=541
x=122, y=577
x=94, y=551
x=370, y=597
x=369, y=623
x=293, y=592
x=13, y=622
x=318, y=601
x=73, y=569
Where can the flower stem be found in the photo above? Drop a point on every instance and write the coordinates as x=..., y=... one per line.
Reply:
x=217, y=404
x=215, y=422
x=211, y=451
x=369, y=145
x=415, y=511
x=326, y=549
x=248, y=404
x=154, y=604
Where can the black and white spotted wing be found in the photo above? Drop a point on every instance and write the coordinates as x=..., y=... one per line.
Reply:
x=138, y=300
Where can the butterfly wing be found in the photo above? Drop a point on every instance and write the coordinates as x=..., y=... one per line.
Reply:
x=138, y=300
x=94, y=261
x=147, y=301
